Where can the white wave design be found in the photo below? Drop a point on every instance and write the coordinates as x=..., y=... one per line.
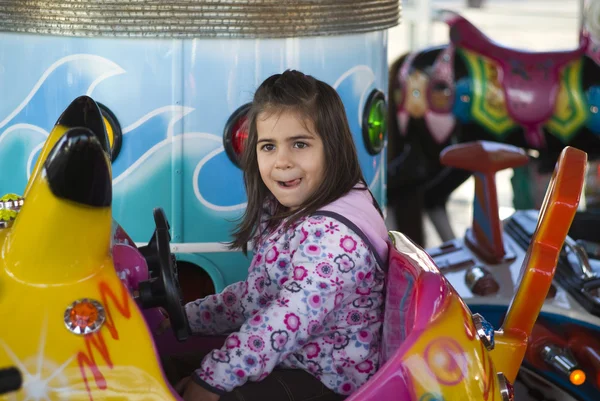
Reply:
x=199, y=196
x=169, y=141
x=31, y=160
x=183, y=111
x=180, y=110
x=370, y=78
x=139, y=161
x=179, y=113
x=375, y=179
x=31, y=127
x=96, y=62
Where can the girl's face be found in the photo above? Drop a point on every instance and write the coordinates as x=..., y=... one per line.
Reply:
x=290, y=157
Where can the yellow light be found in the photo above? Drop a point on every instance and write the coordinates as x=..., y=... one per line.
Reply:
x=109, y=131
x=577, y=377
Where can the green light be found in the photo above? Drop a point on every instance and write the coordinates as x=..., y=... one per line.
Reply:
x=375, y=128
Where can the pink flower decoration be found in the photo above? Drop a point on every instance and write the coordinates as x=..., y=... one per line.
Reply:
x=299, y=273
x=365, y=366
x=312, y=350
x=272, y=255
x=292, y=322
x=348, y=243
x=233, y=342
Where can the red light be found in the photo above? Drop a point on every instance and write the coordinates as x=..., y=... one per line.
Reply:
x=240, y=134
x=235, y=134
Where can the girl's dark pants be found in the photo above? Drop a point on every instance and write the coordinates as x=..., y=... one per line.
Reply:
x=280, y=385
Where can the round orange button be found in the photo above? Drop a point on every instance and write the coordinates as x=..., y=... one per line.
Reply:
x=83, y=315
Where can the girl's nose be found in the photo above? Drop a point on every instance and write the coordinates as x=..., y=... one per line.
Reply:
x=283, y=160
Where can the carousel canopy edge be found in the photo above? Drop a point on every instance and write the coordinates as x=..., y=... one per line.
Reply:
x=198, y=18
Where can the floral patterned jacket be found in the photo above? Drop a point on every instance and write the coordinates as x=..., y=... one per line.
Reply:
x=313, y=300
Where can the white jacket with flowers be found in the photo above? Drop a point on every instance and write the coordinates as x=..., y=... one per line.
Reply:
x=312, y=300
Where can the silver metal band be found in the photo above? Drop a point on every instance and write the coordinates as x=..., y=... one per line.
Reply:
x=198, y=18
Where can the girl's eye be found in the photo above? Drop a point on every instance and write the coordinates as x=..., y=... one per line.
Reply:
x=300, y=145
x=268, y=147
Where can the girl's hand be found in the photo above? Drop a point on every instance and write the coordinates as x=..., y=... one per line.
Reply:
x=180, y=387
x=194, y=392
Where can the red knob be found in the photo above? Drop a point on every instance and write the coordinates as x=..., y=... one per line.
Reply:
x=485, y=159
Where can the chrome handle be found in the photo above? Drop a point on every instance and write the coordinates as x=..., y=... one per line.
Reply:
x=587, y=273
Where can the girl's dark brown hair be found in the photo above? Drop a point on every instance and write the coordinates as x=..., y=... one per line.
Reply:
x=319, y=103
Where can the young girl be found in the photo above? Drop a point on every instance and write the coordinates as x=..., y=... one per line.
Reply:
x=306, y=322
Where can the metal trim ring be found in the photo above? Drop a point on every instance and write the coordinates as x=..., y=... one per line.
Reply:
x=506, y=389
x=484, y=330
x=198, y=18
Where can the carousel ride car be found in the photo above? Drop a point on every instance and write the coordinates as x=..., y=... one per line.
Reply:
x=562, y=361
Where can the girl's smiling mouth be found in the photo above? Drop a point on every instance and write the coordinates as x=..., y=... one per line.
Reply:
x=290, y=184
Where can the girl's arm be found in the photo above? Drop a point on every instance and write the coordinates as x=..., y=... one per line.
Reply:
x=324, y=269
x=223, y=312
x=218, y=313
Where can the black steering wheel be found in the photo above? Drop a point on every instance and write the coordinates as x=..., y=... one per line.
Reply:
x=162, y=290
